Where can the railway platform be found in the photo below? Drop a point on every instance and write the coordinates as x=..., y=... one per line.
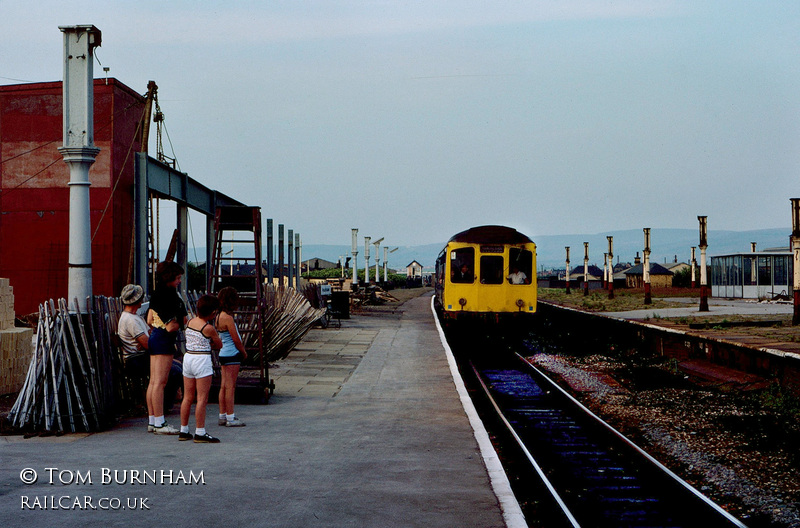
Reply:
x=366, y=428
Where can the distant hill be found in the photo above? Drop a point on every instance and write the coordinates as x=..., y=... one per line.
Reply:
x=666, y=245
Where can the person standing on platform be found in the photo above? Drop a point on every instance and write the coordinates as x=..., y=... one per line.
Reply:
x=167, y=316
x=231, y=355
x=201, y=338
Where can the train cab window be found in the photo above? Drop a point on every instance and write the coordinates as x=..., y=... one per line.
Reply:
x=520, y=266
x=462, y=265
x=492, y=269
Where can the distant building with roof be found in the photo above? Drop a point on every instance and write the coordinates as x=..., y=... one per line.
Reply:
x=414, y=270
x=317, y=263
x=660, y=277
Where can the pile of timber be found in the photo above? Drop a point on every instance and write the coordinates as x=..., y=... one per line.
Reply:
x=68, y=384
x=288, y=317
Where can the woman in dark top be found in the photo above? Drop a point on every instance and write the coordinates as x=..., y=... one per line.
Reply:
x=167, y=315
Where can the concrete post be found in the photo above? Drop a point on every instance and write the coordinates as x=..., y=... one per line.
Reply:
x=703, y=269
x=694, y=268
x=377, y=245
x=298, y=254
x=605, y=271
x=796, y=259
x=585, y=269
x=79, y=152
x=270, y=253
x=290, y=257
x=366, y=261
x=646, y=267
x=611, y=266
x=280, y=255
x=385, y=258
x=354, y=252
x=567, y=277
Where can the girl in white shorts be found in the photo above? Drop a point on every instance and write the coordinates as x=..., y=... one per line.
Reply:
x=201, y=338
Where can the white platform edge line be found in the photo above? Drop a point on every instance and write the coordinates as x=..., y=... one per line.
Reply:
x=512, y=513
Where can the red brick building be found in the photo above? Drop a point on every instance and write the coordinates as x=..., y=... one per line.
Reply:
x=34, y=195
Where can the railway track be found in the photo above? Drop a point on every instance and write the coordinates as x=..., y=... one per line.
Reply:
x=581, y=471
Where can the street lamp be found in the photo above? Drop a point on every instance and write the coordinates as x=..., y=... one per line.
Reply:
x=386, y=260
x=366, y=261
x=354, y=252
x=377, y=245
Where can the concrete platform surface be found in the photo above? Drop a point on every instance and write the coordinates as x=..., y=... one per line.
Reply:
x=365, y=430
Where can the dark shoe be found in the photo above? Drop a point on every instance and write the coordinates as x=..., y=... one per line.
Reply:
x=185, y=436
x=205, y=439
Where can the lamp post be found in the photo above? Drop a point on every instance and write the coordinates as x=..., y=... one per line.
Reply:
x=567, y=274
x=377, y=245
x=386, y=260
x=703, y=270
x=366, y=261
x=585, y=269
x=354, y=252
x=280, y=255
x=298, y=255
x=605, y=271
x=611, y=266
x=290, y=257
x=646, y=267
x=694, y=268
x=79, y=152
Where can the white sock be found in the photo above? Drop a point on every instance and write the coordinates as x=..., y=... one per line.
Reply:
x=184, y=428
x=199, y=431
x=222, y=416
x=151, y=420
x=230, y=417
x=158, y=421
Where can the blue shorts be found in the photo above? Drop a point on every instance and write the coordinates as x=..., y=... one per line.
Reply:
x=236, y=359
x=162, y=342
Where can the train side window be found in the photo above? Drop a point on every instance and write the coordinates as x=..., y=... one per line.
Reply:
x=520, y=266
x=462, y=265
x=492, y=269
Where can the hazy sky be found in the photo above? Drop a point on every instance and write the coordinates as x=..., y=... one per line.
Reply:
x=415, y=120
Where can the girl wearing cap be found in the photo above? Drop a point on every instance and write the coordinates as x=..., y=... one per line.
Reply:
x=230, y=356
x=167, y=315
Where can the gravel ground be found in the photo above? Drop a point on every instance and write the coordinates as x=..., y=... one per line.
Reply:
x=730, y=446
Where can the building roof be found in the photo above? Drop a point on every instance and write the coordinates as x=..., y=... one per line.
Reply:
x=414, y=263
x=318, y=263
x=655, y=269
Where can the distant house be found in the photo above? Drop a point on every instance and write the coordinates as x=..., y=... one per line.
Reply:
x=677, y=267
x=317, y=263
x=414, y=270
x=660, y=277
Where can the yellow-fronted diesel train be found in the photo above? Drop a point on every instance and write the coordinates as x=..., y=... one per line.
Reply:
x=486, y=273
